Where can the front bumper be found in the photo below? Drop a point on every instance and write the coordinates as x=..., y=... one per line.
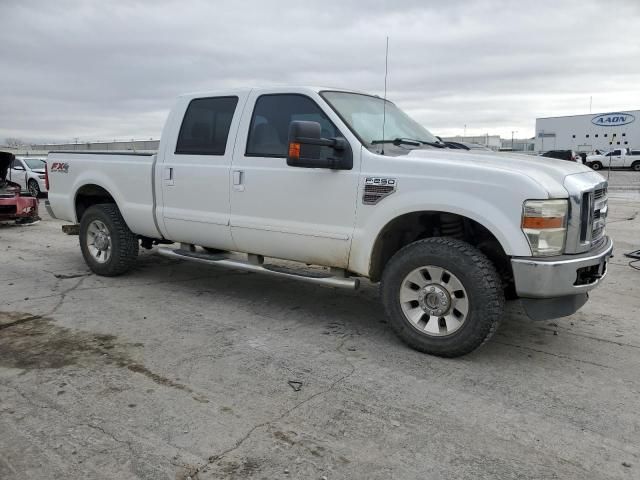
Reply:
x=561, y=276
x=18, y=207
x=42, y=185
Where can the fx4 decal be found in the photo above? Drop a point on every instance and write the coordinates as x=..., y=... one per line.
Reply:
x=59, y=167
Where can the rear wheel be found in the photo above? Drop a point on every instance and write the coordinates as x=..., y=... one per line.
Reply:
x=636, y=166
x=108, y=246
x=442, y=296
x=596, y=165
x=34, y=188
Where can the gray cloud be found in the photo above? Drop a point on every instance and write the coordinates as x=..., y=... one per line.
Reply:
x=104, y=70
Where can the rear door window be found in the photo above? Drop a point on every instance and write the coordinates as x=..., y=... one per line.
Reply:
x=205, y=127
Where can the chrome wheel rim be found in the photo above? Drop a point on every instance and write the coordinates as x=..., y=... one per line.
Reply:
x=99, y=241
x=33, y=189
x=434, y=301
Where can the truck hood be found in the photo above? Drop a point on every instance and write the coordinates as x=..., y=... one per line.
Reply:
x=549, y=173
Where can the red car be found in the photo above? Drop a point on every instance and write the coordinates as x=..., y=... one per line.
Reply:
x=13, y=205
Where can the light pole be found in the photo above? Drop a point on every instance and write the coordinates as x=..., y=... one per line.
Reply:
x=512, y=132
x=464, y=135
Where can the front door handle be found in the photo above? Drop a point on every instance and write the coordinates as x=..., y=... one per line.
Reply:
x=168, y=176
x=238, y=180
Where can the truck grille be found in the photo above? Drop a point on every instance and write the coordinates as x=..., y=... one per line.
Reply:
x=599, y=216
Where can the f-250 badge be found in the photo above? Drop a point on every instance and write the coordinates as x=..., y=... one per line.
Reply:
x=377, y=188
x=59, y=167
x=380, y=181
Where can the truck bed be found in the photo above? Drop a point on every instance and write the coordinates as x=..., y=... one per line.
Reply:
x=126, y=176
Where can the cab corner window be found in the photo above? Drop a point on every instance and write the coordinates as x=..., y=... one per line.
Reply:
x=272, y=115
x=205, y=127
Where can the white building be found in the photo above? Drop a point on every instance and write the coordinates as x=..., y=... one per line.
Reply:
x=585, y=133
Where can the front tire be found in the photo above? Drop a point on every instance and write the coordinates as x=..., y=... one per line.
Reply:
x=442, y=296
x=34, y=188
x=636, y=167
x=108, y=246
x=596, y=166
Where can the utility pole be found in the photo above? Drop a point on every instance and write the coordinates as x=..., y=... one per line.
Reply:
x=512, y=132
x=464, y=135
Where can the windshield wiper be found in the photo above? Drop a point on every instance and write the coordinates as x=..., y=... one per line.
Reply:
x=408, y=141
x=398, y=141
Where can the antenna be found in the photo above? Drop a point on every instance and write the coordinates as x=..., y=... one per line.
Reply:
x=384, y=104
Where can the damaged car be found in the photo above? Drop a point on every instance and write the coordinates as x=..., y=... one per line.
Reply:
x=13, y=205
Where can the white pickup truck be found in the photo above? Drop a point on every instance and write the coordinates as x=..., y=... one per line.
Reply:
x=347, y=181
x=618, y=158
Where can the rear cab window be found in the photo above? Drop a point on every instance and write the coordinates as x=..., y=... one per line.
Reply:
x=205, y=126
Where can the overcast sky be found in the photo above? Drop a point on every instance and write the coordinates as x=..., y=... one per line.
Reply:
x=101, y=70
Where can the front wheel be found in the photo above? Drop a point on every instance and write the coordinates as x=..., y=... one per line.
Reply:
x=442, y=296
x=108, y=246
x=34, y=188
x=596, y=166
x=636, y=167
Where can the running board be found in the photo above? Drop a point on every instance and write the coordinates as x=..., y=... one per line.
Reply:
x=255, y=264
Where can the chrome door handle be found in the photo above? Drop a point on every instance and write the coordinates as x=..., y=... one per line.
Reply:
x=238, y=180
x=168, y=176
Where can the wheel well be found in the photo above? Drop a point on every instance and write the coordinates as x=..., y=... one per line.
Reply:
x=410, y=227
x=89, y=195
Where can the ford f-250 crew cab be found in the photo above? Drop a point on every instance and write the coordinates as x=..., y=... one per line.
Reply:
x=344, y=180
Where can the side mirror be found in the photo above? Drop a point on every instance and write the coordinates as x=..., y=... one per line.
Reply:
x=305, y=148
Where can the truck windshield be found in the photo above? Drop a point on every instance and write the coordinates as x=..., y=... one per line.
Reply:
x=364, y=116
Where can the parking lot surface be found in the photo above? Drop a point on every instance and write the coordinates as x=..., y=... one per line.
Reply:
x=178, y=370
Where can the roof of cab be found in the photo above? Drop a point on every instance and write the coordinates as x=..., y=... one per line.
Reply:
x=271, y=89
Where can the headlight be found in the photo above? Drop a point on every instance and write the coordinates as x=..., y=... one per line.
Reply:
x=41, y=176
x=544, y=222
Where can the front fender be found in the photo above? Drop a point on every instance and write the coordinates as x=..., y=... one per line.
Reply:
x=503, y=221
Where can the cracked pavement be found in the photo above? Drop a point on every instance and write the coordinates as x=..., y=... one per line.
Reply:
x=180, y=370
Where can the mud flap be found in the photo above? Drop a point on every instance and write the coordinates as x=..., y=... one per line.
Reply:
x=549, y=308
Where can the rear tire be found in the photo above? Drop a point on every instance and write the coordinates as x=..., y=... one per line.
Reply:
x=596, y=166
x=108, y=246
x=472, y=296
x=636, y=166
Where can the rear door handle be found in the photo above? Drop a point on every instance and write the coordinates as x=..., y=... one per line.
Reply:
x=168, y=176
x=238, y=180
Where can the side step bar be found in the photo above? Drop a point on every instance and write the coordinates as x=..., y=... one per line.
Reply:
x=255, y=264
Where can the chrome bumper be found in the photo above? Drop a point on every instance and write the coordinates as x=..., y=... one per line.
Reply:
x=47, y=206
x=561, y=276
